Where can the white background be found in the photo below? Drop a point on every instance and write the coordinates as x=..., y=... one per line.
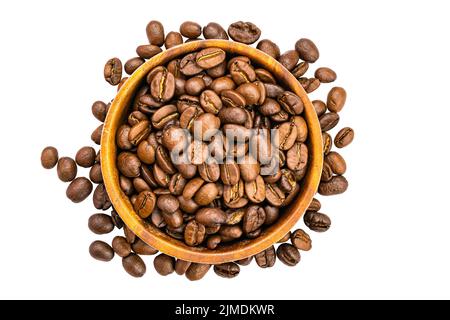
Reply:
x=390, y=236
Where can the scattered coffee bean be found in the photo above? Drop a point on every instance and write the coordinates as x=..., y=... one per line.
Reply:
x=49, y=157
x=344, y=137
x=227, y=270
x=317, y=221
x=336, y=99
x=85, y=157
x=197, y=271
x=121, y=247
x=134, y=265
x=101, y=251
x=325, y=75
x=214, y=31
x=100, y=223
x=164, y=264
x=301, y=240
x=245, y=32
x=307, y=50
x=288, y=254
x=155, y=33
x=66, y=169
x=113, y=71
x=79, y=189
x=267, y=258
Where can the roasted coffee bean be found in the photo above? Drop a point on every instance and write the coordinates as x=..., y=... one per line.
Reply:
x=291, y=103
x=145, y=203
x=286, y=135
x=289, y=59
x=249, y=169
x=301, y=240
x=250, y=93
x=269, y=48
x=210, y=216
x=133, y=64
x=210, y=57
x=173, y=39
x=187, y=170
x=100, y=110
x=216, y=72
x=157, y=219
x=309, y=84
x=79, y=189
x=320, y=107
x=190, y=29
x=328, y=121
x=164, y=115
x=210, y=101
x=129, y=235
x=163, y=160
x=192, y=187
x=162, y=86
x=245, y=261
x=307, y=50
x=208, y=125
x=264, y=76
x=214, y=31
x=231, y=98
x=232, y=115
x=223, y=83
x=256, y=190
x=147, y=51
x=128, y=164
x=177, y=184
x=327, y=142
x=188, y=66
x=213, y=241
x=164, y=264
x=206, y=194
x=235, y=216
x=300, y=69
x=146, y=153
x=317, y=221
x=327, y=173
x=315, y=205
x=189, y=116
x=122, y=137
x=155, y=33
x=168, y=203
x=141, y=248
x=194, y=86
x=336, y=185
x=135, y=117
x=344, y=137
x=209, y=171
x=101, y=251
x=230, y=232
x=194, y=234
x=270, y=107
x=126, y=185
x=336, y=99
x=113, y=71
x=274, y=195
x=181, y=266
x=95, y=174
x=227, y=270
x=245, y=32
x=100, y=223
x=139, y=132
x=266, y=258
x=273, y=90
x=134, y=265
x=116, y=219
x=242, y=72
x=121, y=247
x=49, y=157
x=272, y=214
x=140, y=185
x=97, y=134
x=302, y=128
x=336, y=163
x=287, y=181
x=100, y=198
x=297, y=157
x=213, y=229
x=325, y=75
x=253, y=219
x=288, y=254
x=66, y=169
x=197, y=271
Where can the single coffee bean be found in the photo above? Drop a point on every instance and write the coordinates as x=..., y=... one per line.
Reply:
x=134, y=265
x=235, y=216
x=79, y=189
x=273, y=90
x=297, y=157
x=336, y=163
x=177, y=184
x=188, y=65
x=147, y=51
x=266, y=258
x=128, y=164
x=164, y=264
x=162, y=86
x=272, y=214
x=101, y=251
x=309, y=84
x=336, y=185
x=141, y=248
x=164, y=115
x=95, y=174
x=214, y=31
x=168, y=203
x=97, y=134
x=269, y=48
x=302, y=128
x=232, y=115
x=230, y=232
x=155, y=33
x=189, y=116
x=118, y=223
x=336, y=99
x=327, y=173
x=227, y=270
x=49, y=157
x=210, y=57
x=256, y=190
x=66, y=169
x=307, y=50
x=122, y=137
x=287, y=181
x=146, y=153
x=121, y=247
x=207, y=128
x=216, y=72
x=301, y=240
x=157, y=219
x=241, y=72
x=274, y=195
x=210, y=102
x=328, y=121
x=100, y=198
x=209, y=171
x=291, y=103
x=325, y=75
x=129, y=235
x=232, y=98
x=133, y=64
x=100, y=110
x=192, y=187
x=317, y=221
x=288, y=254
x=249, y=168
x=163, y=160
x=187, y=170
x=181, y=266
x=194, y=234
x=197, y=271
x=289, y=59
x=206, y=194
x=327, y=142
x=344, y=137
x=245, y=261
x=320, y=107
x=139, y=132
x=100, y=223
x=85, y=157
x=250, y=93
x=270, y=107
x=253, y=219
x=245, y=32
x=145, y=203
x=194, y=86
x=300, y=69
x=210, y=216
x=190, y=29
x=315, y=205
x=113, y=71
x=223, y=83
x=287, y=135
x=264, y=76
x=213, y=242
x=126, y=185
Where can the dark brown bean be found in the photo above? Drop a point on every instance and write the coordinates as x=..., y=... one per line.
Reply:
x=66, y=169
x=141, y=248
x=188, y=66
x=336, y=162
x=100, y=223
x=266, y=258
x=325, y=75
x=289, y=59
x=301, y=240
x=245, y=32
x=113, y=71
x=134, y=265
x=121, y=247
x=274, y=195
x=162, y=86
x=336, y=99
x=317, y=221
x=100, y=110
x=227, y=270
x=197, y=271
x=128, y=164
x=211, y=216
x=336, y=185
x=145, y=203
x=164, y=264
x=147, y=51
x=210, y=101
x=300, y=69
x=173, y=39
x=190, y=29
x=101, y=251
x=155, y=33
x=253, y=219
x=344, y=137
x=214, y=31
x=210, y=57
x=269, y=48
x=307, y=50
x=288, y=254
x=97, y=134
x=79, y=189
x=85, y=157
x=49, y=157
x=133, y=64
x=194, y=234
x=320, y=107
x=168, y=203
x=328, y=121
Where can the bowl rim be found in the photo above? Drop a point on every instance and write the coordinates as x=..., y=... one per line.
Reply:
x=163, y=242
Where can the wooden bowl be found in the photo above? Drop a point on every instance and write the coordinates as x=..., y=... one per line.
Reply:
x=158, y=239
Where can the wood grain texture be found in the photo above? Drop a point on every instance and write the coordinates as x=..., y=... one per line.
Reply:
x=162, y=241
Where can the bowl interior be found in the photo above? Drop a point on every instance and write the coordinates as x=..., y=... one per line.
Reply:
x=158, y=239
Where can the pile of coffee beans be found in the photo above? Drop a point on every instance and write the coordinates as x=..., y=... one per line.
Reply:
x=212, y=151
